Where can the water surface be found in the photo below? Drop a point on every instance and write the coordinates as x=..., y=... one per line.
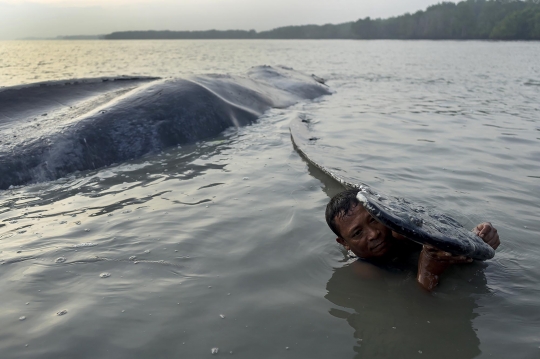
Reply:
x=222, y=244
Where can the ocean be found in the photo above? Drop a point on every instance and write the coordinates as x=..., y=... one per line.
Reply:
x=219, y=246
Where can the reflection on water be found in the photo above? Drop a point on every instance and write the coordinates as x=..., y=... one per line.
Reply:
x=393, y=318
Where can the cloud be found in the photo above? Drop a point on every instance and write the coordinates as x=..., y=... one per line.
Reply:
x=67, y=3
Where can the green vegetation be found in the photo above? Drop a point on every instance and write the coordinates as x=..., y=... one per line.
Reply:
x=471, y=19
x=467, y=20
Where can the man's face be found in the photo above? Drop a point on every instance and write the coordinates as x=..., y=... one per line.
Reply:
x=362, y=234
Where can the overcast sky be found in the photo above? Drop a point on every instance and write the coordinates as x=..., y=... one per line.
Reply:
x=50, y=18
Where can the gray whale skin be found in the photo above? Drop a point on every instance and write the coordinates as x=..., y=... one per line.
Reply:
x=49, y=130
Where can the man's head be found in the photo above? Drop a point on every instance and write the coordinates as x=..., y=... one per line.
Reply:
x=356, y=229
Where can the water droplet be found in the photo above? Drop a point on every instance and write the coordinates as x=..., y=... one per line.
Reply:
x=60, y=260
x=228, y=293
x=62, y=312
x=22, y=318
x=86, y=230
x=213, y=351
x=147, y=251
x=27, y=303
x=105, y=275
x=209, y=286
x=393, y=327
x=86, y=244
x=420, y=351
x=246, y=178
x=222, y=316
x=132, y=258
x=123, y=311
x=286, y=348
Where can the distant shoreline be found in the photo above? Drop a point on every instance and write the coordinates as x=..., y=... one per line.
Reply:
x=292, y=39
x=467, y=20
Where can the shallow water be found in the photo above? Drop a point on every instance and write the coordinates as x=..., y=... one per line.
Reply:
x=234, y=226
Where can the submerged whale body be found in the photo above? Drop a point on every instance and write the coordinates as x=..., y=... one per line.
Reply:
x=52, y=129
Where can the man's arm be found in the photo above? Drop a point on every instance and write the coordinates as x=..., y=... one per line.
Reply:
x=433, y=262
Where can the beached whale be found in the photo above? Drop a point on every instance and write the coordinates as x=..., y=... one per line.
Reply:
x=49, y=130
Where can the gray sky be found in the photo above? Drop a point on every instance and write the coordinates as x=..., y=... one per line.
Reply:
x=50, y=18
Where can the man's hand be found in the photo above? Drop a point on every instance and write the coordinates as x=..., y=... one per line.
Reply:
x=433, y=262
x=488, y=233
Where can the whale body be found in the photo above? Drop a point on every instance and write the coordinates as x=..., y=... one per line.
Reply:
x=52, y=129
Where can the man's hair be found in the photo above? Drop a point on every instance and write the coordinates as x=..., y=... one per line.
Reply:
x=339, y=206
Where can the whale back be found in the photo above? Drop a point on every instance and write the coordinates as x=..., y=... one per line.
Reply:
x=50, y=130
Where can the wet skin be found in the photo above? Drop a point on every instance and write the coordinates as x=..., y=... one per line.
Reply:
x=367, y=238
x=363, y=235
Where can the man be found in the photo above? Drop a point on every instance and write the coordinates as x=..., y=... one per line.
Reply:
x=369, y=239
